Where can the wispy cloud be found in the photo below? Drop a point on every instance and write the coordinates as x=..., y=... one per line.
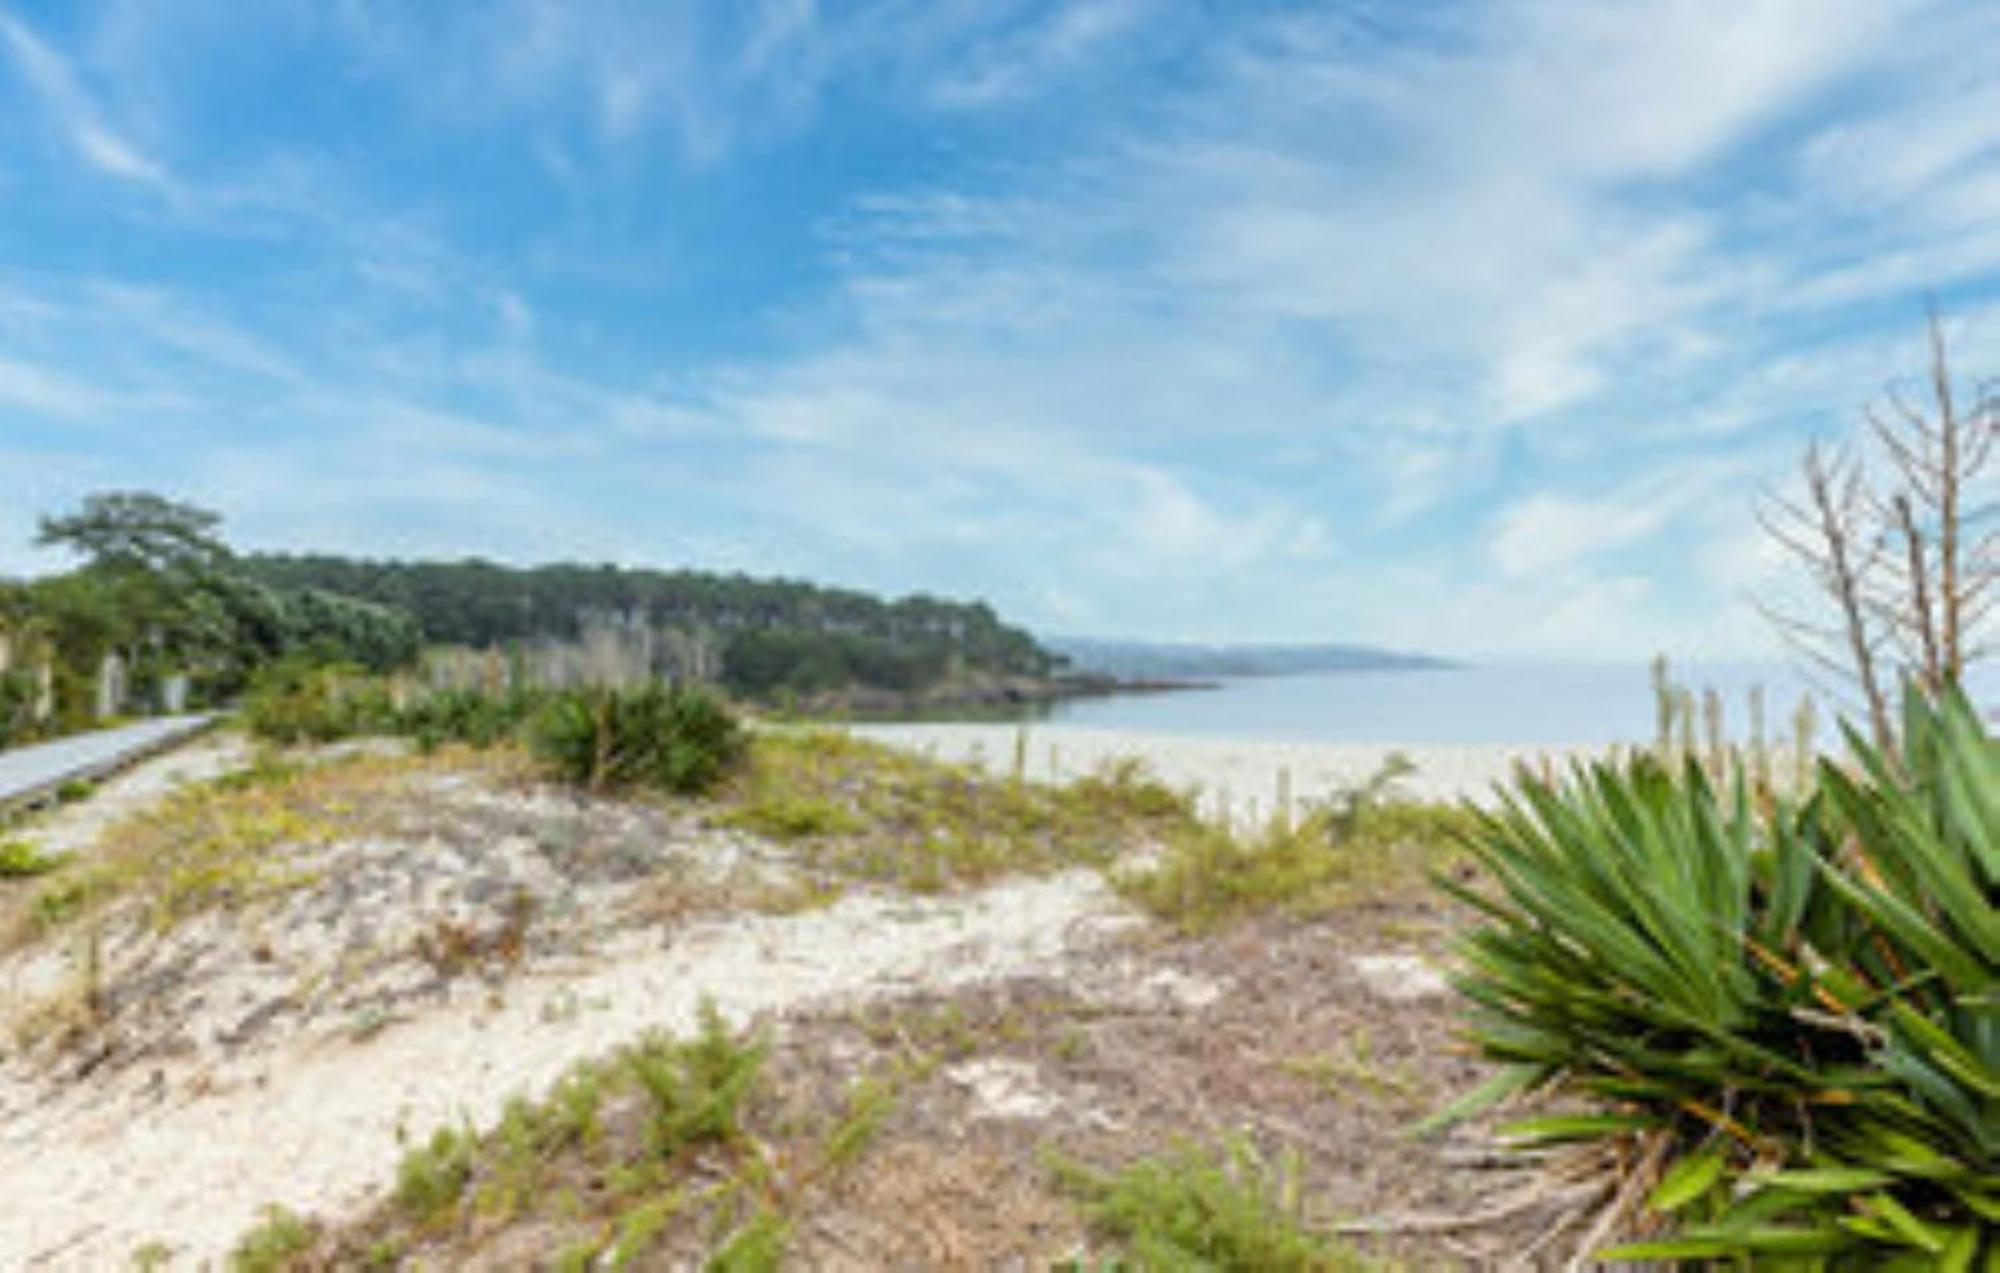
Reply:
x=74, y=112
x=1472, y=326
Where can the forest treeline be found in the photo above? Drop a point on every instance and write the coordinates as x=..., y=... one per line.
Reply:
x=161, y=613
x=756, y=636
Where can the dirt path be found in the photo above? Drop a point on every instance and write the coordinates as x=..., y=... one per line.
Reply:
x=186, y=1155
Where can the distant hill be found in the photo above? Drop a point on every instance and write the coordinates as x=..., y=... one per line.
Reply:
x=1152, y=660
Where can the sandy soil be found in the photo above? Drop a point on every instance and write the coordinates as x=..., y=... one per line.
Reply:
x=184, y=1135
x=186, y=1154
x=1243, y=779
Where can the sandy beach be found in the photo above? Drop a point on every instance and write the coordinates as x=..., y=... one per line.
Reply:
x=1239, y=779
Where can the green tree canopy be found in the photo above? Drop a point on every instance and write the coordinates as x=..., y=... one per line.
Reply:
x=138, y=530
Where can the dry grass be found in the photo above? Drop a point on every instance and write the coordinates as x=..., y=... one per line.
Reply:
x=1246, y=1129
x=852, y=809
x=1209, y=876
x=220, y=843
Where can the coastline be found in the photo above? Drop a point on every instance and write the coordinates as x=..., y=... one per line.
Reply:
x=1240, y=779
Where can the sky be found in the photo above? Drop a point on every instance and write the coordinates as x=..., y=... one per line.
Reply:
x=1473, y=328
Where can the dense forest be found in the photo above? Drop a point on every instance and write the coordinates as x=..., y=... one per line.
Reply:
x=757, y=636
x=160, y=613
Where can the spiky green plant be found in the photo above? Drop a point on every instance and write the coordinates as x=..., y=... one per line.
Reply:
x=1787, y=1023
x=673, y=738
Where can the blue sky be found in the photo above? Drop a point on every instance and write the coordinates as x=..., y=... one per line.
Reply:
x=1464, y=327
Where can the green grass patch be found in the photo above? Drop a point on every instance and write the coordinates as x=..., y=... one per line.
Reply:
x=220, y=843
x=20, y=860
x=674, y=1152
x=1226, y=1209
x=862, y=810
x=1209, y=876
x=273, y=1245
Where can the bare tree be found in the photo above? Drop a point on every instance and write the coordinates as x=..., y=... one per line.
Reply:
x=1904, y=571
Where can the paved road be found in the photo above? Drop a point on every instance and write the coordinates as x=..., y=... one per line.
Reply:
x=29, y=772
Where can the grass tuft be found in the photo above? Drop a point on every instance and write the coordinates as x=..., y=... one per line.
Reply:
x=1209, y=876
x=1224, y=1209
x=862, y=810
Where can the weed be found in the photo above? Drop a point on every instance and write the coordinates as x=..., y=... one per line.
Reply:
x=433, y=1176
x=277, y=1240
x=756, y=1247
x=21, y=860
x=670, y=1143
x=1225, y=1210
x=869, y=1104
x=862, y=810
x=640, y=1228
x=1360, y=844
x=215, y=844
x=697, y=1087
x=1355, y=1067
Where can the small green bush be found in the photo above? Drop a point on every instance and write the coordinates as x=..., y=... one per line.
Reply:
x=468, y=716
x=272, y=1246
x=697, y=1087
x=433, y=1175
x=20, y=860
x=295, y=702
x=669, y=738
x=1208, y=875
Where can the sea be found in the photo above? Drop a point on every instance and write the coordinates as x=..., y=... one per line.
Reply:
x=1552, y=704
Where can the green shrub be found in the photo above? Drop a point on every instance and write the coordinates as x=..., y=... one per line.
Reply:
x=1208, y=875
x=433, y=1175
x=468, y=716
x=21, y=860
x=697, y=1088
x=294, y=701
x=670, y=738
x=273, y=1245
x=1227, y=1211
x=1788, y=1020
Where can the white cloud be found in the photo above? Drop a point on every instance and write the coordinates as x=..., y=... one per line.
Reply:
x=39, y=389
x=96, y=142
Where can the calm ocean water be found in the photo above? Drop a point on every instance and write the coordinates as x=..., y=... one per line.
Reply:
x=1540, y=704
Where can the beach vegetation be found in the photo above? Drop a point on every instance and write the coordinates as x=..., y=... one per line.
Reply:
x=1226, y=1208
x=220, y=843
x=1365, y=842
x=20, y=859
x=1773, y=1027
x=856, y=809
x=678, y=739
x=674, y=1150
x=279, y=1238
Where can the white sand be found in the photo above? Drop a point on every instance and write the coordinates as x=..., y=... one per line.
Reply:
x=1241, y=778
x=186, y=1153
x=187, y=1159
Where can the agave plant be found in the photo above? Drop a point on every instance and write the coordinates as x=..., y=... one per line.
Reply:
x=1783, y=1023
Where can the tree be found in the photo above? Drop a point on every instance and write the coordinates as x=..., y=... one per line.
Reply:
x=1897, y=555
x=138, y=530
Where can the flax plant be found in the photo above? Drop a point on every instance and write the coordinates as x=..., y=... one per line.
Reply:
x=1782, y=1021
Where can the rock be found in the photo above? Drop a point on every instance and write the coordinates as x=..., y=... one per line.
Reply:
x=1402, y=978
